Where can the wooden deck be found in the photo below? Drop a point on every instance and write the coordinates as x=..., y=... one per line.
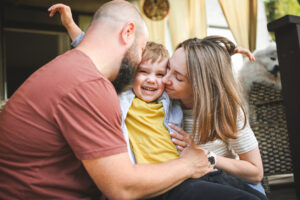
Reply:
x=283, y=192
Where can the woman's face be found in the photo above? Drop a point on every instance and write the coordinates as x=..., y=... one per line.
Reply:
x=177, y=83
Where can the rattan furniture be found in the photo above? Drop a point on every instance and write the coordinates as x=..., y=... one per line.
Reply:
x=268, y=120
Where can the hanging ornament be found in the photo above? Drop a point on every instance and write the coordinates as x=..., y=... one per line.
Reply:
x=156, y=9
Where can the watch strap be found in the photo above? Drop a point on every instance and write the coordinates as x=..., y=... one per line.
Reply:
x=212, y=158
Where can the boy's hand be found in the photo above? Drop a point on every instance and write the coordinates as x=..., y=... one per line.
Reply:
x=66, y=19
x=64, y=11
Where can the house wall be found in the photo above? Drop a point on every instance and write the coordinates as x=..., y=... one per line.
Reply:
x=28, y=40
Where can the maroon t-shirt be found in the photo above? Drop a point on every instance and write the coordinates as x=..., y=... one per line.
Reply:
x=65, y=112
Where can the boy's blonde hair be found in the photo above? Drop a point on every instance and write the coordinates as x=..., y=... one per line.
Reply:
x=154, y=52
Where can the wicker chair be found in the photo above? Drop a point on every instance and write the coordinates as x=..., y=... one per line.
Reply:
x=268, y=121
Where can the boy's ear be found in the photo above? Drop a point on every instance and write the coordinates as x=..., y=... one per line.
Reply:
x=128, y=34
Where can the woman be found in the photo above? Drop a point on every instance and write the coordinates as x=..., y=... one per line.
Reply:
x=200, y=76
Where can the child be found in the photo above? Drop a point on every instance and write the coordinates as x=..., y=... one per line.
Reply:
x=146, y=110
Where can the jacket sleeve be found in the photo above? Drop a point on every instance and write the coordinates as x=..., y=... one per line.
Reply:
x=76, y=42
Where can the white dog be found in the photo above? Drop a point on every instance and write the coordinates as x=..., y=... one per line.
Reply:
x=265, y=69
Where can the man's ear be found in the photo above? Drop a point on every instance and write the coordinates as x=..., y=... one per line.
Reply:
x=128, y=34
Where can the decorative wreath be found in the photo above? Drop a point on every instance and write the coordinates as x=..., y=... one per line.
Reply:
x=156, y=9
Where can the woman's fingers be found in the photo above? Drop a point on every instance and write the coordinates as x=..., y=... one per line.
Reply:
x=177, y=136
x=184, y=136
x=181, y=139
x=178, y=129
x=179, y=148
x=179, y=143
x=245, y=52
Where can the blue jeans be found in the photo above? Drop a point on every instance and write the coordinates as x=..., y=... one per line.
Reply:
x=258, y=187
x=221, y=177
x=197, y=189
x=213, y=186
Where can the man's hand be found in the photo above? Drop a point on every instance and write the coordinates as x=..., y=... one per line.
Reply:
x=66, y=19
x=195, y=156
x=197, y=160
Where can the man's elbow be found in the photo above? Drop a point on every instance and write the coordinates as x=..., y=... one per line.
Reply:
x=121, y=196
x=124, y=194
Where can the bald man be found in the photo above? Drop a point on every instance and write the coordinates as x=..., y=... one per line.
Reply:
x=60, y=133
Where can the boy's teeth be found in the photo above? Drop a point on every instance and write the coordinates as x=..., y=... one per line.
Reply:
x=150, y=89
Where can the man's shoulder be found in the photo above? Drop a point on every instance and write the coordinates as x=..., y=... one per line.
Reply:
x=72, y=69
x=75, y=58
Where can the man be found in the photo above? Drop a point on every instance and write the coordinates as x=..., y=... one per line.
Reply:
x=60, y=133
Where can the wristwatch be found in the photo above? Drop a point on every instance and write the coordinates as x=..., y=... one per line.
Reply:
x=212, y=158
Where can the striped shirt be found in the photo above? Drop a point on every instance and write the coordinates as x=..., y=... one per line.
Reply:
x=245, y=142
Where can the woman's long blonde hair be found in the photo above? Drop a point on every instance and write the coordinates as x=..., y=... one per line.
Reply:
x=217, y=99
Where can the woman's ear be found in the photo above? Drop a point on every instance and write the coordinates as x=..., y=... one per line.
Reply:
x=128, y=34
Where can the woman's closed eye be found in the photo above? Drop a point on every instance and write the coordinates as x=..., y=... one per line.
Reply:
x=179, y=79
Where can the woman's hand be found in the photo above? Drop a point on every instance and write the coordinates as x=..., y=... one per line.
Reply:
x=244, y=52
x=181, y=139
x=66, y=19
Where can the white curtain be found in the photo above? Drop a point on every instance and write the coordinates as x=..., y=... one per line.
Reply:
x=241, y=16
x=187, y=19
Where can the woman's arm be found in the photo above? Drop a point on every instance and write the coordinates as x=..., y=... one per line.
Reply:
x=66, y=19
x=248, y=168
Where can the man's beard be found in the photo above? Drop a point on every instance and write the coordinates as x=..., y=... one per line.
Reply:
x=127, y=69
x=125, y=76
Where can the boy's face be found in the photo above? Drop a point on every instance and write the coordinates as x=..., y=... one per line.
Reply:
x=147, y=84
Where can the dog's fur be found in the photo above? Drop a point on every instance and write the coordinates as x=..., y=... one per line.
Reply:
x=265, y=69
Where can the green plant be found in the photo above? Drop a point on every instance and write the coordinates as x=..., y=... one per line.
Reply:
x=278, y=8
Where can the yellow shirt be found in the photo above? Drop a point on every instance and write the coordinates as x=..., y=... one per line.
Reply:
x=149, y=139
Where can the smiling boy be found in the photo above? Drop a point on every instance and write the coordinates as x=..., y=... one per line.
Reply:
x=146, y=110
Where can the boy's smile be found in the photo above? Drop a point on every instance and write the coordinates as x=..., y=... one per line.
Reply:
x=147, y=84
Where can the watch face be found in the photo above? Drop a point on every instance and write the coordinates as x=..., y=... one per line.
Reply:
x=156, y=9
x=211, y=159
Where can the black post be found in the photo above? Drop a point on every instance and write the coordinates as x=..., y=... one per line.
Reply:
x=2, y=57
x=287, y=34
